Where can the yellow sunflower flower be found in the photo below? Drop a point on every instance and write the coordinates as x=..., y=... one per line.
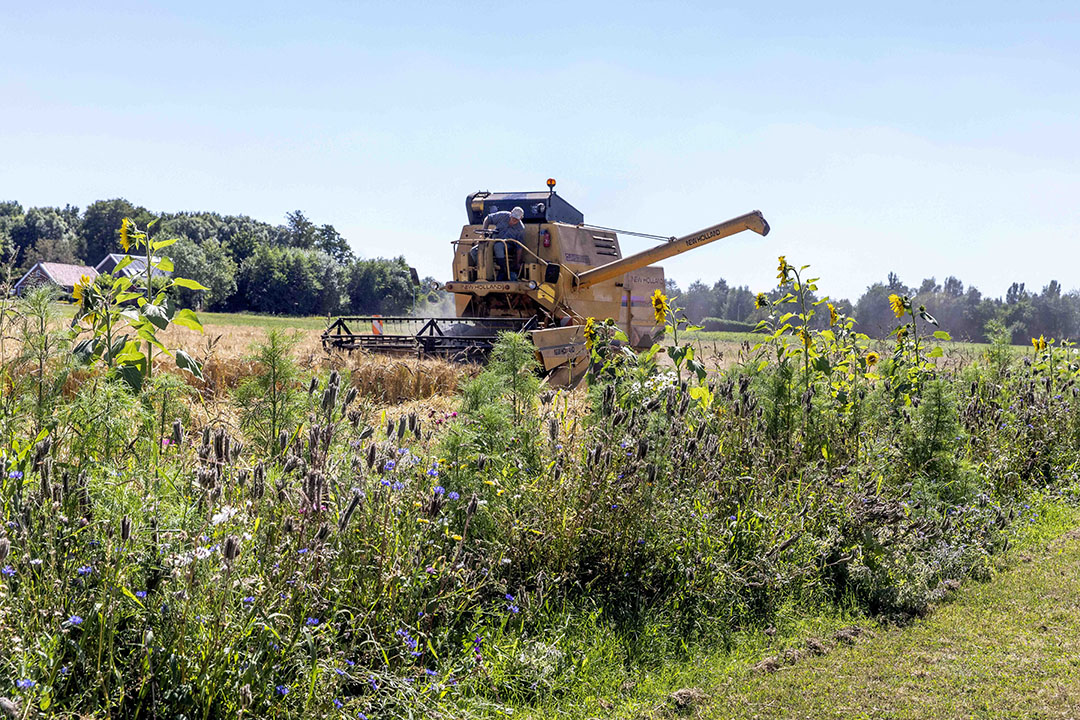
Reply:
x=590, y=332
x=659, y=306
x=898, y=305
x=125, y=233
x=782, y=270
x=761, y=301
x=77, y=291
x=834, y=317
x=872, y=358
x=1039, y=343
x=804, y=336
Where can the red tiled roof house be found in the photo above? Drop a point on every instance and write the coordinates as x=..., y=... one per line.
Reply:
x=61, y=275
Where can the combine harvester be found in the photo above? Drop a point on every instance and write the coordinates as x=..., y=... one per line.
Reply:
x=564, y=272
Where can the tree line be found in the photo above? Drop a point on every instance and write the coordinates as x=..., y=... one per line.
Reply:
x=963, y=311
x=304, y=268
x=297, y=268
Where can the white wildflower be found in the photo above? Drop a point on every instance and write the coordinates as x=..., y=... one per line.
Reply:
x=227, y=513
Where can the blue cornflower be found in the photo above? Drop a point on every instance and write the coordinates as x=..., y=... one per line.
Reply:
x=397, y=486
x=249, y=599
x=15, y=475
x=75, y=620
x=301, y=551
x=374, y=685
x=311, y=621
x=513, y=608
x=85, y=570
x=140, y=594
x=361, y=716
x=439, y=490
x=509, y=597
x=390, y=465
x=282, y=690
x=338, y=703
x=340, y=672
x=350, y=663
x=25, y=684
x=433, y=472
x=8, y=571
x=430, y=673
x=385, y=482
x=453, y=495
x=402, y=451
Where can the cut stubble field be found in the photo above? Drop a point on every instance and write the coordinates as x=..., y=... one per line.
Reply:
x=237, y=332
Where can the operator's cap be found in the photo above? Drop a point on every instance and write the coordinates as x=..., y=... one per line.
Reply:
x=517, y=213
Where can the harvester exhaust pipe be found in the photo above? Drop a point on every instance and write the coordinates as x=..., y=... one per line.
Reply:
x=750, y=221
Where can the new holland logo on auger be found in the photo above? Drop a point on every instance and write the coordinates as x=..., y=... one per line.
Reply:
x=546, y=284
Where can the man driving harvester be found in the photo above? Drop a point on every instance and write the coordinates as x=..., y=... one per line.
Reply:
x=507, y=226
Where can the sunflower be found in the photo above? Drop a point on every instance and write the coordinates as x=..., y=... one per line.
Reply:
x=834, y=317
x=659, y=306
x=898, y=305
x=782, y=270
x=872, y=358
x=80, y=287
x=590, y=333
x=804, y=336
x=125, y=233
x=761, y=301
x=1039, y=343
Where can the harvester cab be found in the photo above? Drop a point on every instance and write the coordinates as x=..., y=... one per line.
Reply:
x=562, y=272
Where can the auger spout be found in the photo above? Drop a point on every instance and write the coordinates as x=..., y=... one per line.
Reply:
x=750, y=221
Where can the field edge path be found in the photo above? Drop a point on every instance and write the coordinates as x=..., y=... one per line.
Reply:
x=1006, y=648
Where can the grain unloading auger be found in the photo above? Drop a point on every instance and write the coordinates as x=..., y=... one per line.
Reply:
x=562, y=273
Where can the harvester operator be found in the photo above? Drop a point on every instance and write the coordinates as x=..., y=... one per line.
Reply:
x=507, y=226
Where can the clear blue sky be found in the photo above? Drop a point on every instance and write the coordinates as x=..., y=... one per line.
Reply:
x=929, y=139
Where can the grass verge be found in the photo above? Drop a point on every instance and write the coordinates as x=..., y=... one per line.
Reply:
x=1006, y=648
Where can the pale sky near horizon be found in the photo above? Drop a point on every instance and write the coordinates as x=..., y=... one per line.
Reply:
x=933, y=139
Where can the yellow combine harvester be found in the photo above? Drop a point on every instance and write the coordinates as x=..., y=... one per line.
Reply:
x=563, y=272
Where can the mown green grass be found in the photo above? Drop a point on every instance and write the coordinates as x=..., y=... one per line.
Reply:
x=266, y=322
x=1009, y=647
